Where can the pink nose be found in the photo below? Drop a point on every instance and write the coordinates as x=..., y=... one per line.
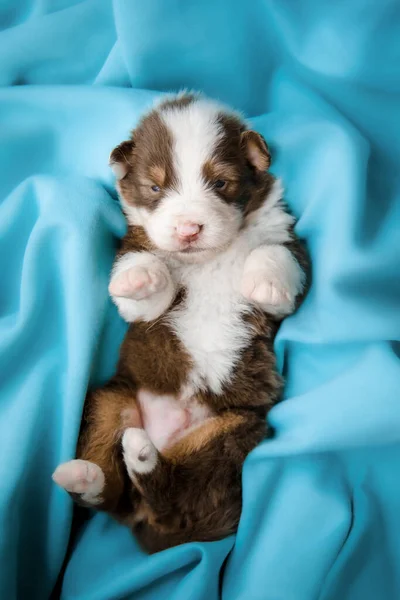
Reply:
x=188, y=231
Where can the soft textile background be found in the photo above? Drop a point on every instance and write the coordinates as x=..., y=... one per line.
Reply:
x=321, y=80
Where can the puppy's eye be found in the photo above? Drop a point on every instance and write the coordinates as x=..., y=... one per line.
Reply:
x=156, y=188
x=219, y=184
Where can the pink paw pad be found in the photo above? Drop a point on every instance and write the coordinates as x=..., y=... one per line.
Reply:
x=79, y=477
x=137, y=283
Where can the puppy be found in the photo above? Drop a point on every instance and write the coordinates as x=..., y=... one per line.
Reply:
x=207, y=270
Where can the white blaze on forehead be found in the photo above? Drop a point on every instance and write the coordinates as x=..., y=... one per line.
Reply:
x=195, y=132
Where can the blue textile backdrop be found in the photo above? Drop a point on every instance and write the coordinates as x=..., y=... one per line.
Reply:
x=321, y=81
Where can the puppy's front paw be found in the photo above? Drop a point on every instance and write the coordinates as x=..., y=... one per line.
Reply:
x=140, y=455
x=270, y=293
x=137, y=283
x=81, y=477
x=258, y=286
x=142, y=292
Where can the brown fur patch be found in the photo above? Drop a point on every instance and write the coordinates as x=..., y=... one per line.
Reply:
x=247, y=186
x=150, y=156
x=195, y=440
x=219, y=171
x=299, y=250
x=153, y=357
x=213, y=170
x=257, y=192
x=136, y=240
x=229, y=147
x=179, y=101
x=158, y=174
x=255, y=381
x=100, y=437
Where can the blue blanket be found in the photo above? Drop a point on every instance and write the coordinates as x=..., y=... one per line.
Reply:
x=320, y=80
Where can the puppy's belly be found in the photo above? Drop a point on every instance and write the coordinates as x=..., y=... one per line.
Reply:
x=167, y=418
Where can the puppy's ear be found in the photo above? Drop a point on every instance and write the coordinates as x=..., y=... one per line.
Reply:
x=256, y=150
x=121, y=158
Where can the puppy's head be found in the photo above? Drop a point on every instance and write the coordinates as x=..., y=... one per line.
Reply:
x=189, y=174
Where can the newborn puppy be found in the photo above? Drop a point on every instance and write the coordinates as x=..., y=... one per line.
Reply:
x=208, y=268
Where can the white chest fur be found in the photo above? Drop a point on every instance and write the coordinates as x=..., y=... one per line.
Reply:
x=210, y=321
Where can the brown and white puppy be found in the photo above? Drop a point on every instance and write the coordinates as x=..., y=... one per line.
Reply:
x=207, y=269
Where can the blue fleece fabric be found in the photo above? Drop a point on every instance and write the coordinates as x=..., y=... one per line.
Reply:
x=321, y=81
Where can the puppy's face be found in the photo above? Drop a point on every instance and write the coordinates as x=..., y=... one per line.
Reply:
x=188, y=175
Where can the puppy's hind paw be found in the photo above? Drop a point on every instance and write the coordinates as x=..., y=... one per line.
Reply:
x=140, y=455
x=81, y=477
